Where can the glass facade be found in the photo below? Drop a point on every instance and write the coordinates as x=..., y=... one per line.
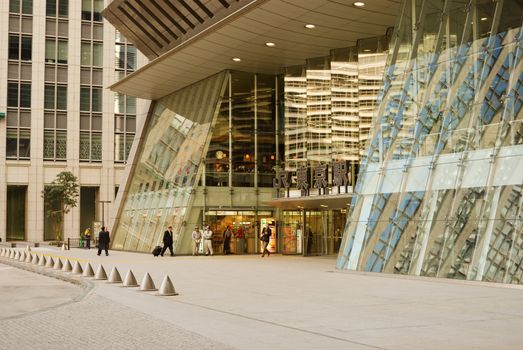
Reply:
x=439, y=191
x=243, y=148
x=167, y=165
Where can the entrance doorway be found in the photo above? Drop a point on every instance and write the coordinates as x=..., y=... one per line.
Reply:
x=245, y=226
x=312, y=232
x=15, y=229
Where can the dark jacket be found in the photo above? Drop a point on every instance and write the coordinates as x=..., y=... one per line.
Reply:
x=167, y=238
x=103, y=239
x=266, y=236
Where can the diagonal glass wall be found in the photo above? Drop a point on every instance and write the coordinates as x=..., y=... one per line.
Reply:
x=167, y=165
x=439, y=191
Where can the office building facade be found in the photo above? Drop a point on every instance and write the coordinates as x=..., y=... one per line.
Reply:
x=57, y=58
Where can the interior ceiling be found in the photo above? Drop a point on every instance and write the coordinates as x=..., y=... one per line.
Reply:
x=243, y=34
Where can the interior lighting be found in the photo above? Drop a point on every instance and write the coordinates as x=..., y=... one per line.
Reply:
x=483, y=18
x=366, y=50
x=270, y=44
x=310, y=26
x=359, y=4
x=236, y=59
x=324, y=206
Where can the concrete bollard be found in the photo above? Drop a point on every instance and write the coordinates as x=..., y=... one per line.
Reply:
x=2, y=252
x=21, y=257
x=12, y=255
x=167, y=287
x=43, y=261
x=27, y=248
x=88, y=272
x=147, y=284
x=35, y=260
x=17, y=255
x=130, y=280
x=28, y=258
x=100, y=273
x=50, y=263
x=58, y=264
x=114, y=276
x=63, y=246
x=77, y=268
x=67, y=266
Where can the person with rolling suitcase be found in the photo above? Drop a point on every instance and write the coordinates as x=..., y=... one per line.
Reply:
x=168, y=241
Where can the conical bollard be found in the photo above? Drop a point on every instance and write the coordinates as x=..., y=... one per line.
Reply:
x=147, y=284
x=43, y=261
x=21, y=257
x=114, y=276
x=100, y=273
x=63, y=246
x=35, y=260
x=13, y=254
x=2, y=252
x=17, y=255
x=88, y=272
x=58, y=264
x=28, y=257
x=130, y=280
x=167, y=287
x=77, y=268
x=50, y=262
x=27, y=248
x=67, y=266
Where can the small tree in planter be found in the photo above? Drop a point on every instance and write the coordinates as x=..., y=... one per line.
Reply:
x=62, y=193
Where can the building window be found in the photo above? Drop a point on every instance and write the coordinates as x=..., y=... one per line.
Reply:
x=20, y=47
x=19, y=94
x=55, y=51
x=18, y=143
x=90, y=99
x=92, y=10
x=124, y=126
x=57, y=7
x=55, y=97
x=92, y=54
x=21, y=6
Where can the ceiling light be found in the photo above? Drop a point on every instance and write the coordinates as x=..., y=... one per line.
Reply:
x=270, y=44
x=366, y=50
x=359, y=4
x=310, y=26
x=483, y=18
x=324, y=206
x=236, y=59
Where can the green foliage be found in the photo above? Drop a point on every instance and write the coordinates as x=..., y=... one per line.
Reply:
x=59, y=197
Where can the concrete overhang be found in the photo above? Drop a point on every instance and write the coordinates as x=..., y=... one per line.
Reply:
x=244, y=34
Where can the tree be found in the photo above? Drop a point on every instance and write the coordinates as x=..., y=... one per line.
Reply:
x=59, y=197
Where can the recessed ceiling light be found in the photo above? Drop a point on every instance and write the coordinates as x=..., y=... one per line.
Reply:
x=359, y=4
x=270, y=44
x=236, y=59
x=483, y=18
x=366, y=50
x=310, y=26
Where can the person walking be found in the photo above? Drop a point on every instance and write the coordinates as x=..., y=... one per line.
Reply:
x=87, y=237
x=207, y=240
x=168, y=241
x=265, y=238
x=227, y=241
x=196, y=239
x=103, y=241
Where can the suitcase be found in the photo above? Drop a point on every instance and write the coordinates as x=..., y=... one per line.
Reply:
x=157, y=250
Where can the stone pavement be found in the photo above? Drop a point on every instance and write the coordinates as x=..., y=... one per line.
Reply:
x=247, y=302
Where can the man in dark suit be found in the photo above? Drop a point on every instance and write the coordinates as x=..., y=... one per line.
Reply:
x=103, y=241
x=168, y=241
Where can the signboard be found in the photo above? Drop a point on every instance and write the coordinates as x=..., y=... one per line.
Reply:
x=318, y=178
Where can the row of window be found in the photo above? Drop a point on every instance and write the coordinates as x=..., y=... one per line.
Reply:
x=91, y=9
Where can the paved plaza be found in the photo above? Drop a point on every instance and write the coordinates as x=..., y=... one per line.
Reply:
x=248, y=302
